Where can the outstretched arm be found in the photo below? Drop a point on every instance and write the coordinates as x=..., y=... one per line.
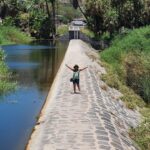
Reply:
x=83, y=68
x=69, y=67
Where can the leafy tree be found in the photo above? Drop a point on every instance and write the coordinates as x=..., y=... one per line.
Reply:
x=111, y=15
x=36, y=15
x=68, y=13
x=102, y=16
x=10, y=8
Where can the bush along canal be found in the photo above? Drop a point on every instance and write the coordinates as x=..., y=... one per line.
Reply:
x=34, y=67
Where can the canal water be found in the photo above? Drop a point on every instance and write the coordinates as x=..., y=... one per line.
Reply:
x=34, y=67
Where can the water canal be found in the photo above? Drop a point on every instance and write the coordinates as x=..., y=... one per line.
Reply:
x=34, y=67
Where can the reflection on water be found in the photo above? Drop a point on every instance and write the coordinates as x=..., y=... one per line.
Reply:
x=34, y=67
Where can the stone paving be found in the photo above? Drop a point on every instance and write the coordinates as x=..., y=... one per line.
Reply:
x=94, y=119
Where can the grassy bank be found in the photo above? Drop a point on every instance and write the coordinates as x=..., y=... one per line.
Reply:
x=5, y=75
x=87, y=32
x=11, y=35
x=127, y=62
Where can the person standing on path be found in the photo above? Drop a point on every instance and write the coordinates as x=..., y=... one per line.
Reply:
x=76, y=76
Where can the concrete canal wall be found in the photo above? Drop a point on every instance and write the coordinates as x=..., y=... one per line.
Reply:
x=95, y=119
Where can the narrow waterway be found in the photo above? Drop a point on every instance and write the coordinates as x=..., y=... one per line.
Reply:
x=34, y=67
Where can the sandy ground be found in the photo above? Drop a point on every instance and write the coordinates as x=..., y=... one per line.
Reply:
x=94, y=119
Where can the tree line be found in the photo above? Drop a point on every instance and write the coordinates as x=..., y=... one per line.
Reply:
x=33, y=16
x=36, y=17
x=111, y=15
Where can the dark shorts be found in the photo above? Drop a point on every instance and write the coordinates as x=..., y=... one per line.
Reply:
x=76, y=81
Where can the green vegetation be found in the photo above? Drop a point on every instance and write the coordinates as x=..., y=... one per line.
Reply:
x=34, y=17
x=66, y=13
x=5, y=84
x=88, y=32
x=61, y=30
x=37, y=17
x=9, y=35
x=129, y=57
x=141, y=134
x=127, y=62
x=111, y=15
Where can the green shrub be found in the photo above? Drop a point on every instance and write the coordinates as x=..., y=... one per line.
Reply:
x=138, y=74
x=5, y=84
x=8, y=21
x=63, y=29
x=10, y=35
x=129, y=56
x=87, y=32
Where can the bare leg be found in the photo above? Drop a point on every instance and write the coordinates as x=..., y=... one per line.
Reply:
x=74, y=87
x=78, y=85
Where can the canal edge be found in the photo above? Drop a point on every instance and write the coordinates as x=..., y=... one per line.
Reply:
x=48, y=100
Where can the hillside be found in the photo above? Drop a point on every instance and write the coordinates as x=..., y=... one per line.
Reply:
x=129, y=57
x=10, y=35
x=128, y=69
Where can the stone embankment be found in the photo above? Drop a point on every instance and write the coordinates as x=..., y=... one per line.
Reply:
x=95, y=119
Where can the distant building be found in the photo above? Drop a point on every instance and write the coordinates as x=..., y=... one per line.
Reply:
x=74, y=32
x=80, y=22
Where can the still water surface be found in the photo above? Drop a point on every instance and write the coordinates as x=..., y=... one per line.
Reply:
x=34, y=67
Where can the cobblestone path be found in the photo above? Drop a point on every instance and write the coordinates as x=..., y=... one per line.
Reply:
x=90, y=120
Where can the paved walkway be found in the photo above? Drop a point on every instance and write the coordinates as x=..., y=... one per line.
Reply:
x=91, y=120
